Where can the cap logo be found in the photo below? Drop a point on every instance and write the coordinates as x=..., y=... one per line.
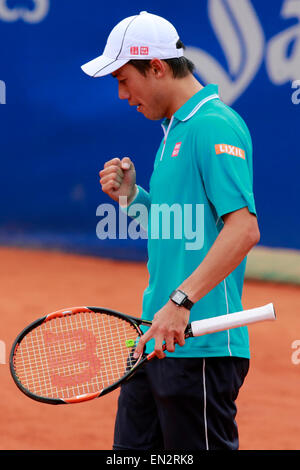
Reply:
x=143, y=50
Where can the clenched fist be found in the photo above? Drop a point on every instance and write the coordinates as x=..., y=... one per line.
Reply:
x=118, y=179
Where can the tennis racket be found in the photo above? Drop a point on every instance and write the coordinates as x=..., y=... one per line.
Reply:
x=81, y=353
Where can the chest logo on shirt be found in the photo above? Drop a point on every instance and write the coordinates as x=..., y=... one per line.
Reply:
x=229, y=150
x=176, y=149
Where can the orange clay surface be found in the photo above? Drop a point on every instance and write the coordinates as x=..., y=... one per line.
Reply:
x=34, y=283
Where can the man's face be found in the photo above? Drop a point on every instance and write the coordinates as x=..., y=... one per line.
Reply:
x=144, y=92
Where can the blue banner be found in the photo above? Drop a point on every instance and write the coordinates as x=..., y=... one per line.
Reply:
x=59, y=126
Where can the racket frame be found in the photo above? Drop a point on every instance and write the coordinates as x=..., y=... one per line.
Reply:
x=135, y=322
x=196, y=328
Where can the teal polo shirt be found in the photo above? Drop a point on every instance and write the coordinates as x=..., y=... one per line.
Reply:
x=202, y=170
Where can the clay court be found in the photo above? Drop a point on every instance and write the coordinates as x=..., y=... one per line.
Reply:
x=34, y=283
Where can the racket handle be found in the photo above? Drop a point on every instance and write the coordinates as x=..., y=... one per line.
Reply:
x=232, y=320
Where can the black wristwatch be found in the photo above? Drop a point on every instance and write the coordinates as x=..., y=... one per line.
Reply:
x=181, y=299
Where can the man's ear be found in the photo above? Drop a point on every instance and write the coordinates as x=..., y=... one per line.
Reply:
x=158, y=67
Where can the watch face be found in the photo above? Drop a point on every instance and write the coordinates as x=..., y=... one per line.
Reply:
x=179, y=297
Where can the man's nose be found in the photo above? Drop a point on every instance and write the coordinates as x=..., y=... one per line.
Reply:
x=123, y=93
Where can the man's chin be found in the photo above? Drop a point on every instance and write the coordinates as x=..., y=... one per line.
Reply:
x=151, y=116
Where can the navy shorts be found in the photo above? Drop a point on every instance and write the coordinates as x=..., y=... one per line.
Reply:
x=181, y=404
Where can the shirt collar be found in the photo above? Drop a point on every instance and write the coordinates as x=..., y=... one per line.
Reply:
x=191, y=106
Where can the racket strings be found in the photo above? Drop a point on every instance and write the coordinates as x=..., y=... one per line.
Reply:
x=75, y=355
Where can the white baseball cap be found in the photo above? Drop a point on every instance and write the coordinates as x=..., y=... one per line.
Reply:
x=143, y=36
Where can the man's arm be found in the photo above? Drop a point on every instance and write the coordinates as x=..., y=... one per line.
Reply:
x=239, y=234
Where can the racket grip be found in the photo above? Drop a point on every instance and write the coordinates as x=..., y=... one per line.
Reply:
x=232, y=320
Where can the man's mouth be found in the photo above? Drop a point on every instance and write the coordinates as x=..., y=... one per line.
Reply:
x=138, y=105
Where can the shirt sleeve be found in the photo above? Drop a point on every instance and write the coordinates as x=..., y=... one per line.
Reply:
x=224, y=154
x=139, y=207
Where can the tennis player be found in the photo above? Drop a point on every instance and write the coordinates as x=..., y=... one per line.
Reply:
x=188, y=399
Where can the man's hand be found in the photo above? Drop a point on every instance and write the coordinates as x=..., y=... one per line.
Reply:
x=168, y=326
x=118, y=179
